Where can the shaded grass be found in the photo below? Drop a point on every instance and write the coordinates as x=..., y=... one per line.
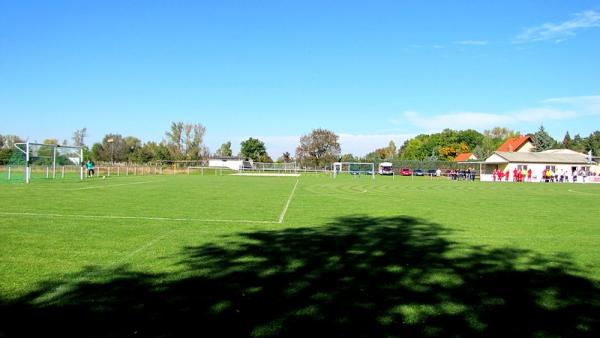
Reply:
x=354, y=257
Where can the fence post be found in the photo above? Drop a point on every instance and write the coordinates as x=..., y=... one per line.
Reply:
x=9, y=173
x=62, y=172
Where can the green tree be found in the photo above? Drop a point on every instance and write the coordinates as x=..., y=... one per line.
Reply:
x=5, y=155
x=253, y=148
x=348, y=158
x=225, y=149
x=175, y=140
x=542, y=140
x=593, y=143
x=319, y=148
x=567, y=142
x=97, y=153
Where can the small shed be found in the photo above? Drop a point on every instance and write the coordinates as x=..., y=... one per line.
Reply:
x=233, y=163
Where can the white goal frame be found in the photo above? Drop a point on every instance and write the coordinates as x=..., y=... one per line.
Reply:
x=338, y=168
x=54, y=147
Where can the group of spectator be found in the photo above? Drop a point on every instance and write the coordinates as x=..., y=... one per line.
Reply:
x=517, y=175
x=547, y=175
x=462, y=174
x=563, y=176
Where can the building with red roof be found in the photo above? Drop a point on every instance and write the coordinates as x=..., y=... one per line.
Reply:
x=522, y=143
x=465, y=157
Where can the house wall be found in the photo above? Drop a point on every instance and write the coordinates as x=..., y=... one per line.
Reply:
x=232, y=164
x=526, y=148
x=537, y=170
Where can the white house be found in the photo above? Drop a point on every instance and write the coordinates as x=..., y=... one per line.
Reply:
x=233, y=163
x=557, y=160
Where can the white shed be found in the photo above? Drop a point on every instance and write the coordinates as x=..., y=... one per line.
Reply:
x=233, y=163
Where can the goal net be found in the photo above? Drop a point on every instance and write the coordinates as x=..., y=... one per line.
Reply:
x=271, y=167
x=354, y=168
x=48, y=161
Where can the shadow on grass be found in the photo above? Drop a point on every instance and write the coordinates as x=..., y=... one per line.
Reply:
x=359, y=276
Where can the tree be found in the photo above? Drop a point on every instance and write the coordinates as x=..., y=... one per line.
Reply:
x=132, y=149
x=593, y=143
x=318, y=148
x=253, y=149
x=542, y=140
x=50, y=141
x=155, y=151
x=286, y=157
x=185, y=141
x=567, y=142
x=175, y=140
x=225, y=149
x=79, y=136
x=97, y=153
x=501, y=133
x=8, y=141
x=391, y=149
x=348, y=158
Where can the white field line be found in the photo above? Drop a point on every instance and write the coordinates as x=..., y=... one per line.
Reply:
x=143, y=247
x=66, y=287
x=287, y=204
x=583, y=192
x=110, y=185
x=168, y=219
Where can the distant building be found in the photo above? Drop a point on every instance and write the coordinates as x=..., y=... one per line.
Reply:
x=557, y=160
x=465, y=157
x=233, y=163
x=523, y=143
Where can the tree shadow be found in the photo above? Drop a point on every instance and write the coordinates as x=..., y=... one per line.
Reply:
x=358, y=276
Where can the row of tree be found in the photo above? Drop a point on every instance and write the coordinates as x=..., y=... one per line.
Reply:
x=319, y=148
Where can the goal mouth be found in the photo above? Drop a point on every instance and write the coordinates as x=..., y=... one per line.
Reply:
x=354, y=168
x=47, y=160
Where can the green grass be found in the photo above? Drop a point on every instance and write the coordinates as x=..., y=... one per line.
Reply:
x=287, y=255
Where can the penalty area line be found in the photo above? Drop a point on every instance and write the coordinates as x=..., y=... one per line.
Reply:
x=110, y=185
x=287, y=204
x=168, y=219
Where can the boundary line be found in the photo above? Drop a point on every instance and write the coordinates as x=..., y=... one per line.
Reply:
x=287, y=204
x=109, y=186
x=32, y=214
x=142, y=248
x=166, y=219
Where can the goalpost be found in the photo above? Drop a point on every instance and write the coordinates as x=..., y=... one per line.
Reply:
x=354, y=168
x=272, y=167
x=44, y=159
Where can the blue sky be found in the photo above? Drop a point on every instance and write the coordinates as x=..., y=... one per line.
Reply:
x=369, y=70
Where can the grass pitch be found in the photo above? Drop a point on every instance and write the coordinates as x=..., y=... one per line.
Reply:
x=261, y=256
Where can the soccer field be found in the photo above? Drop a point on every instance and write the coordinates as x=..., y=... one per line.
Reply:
x=277, y=256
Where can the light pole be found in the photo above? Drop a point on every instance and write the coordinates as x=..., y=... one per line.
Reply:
x=112, y=150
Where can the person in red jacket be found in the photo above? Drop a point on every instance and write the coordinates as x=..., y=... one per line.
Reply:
x=529, y=172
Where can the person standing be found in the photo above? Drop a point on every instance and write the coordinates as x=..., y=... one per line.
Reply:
x=90, y=168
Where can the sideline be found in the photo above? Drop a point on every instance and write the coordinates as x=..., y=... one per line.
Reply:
x=168, y=219
x=110, y=185
x=287, y=204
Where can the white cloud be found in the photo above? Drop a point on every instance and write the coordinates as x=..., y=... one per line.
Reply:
x=555, y=109
x=472, y=42
x=586, y=104
x=558, y=32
